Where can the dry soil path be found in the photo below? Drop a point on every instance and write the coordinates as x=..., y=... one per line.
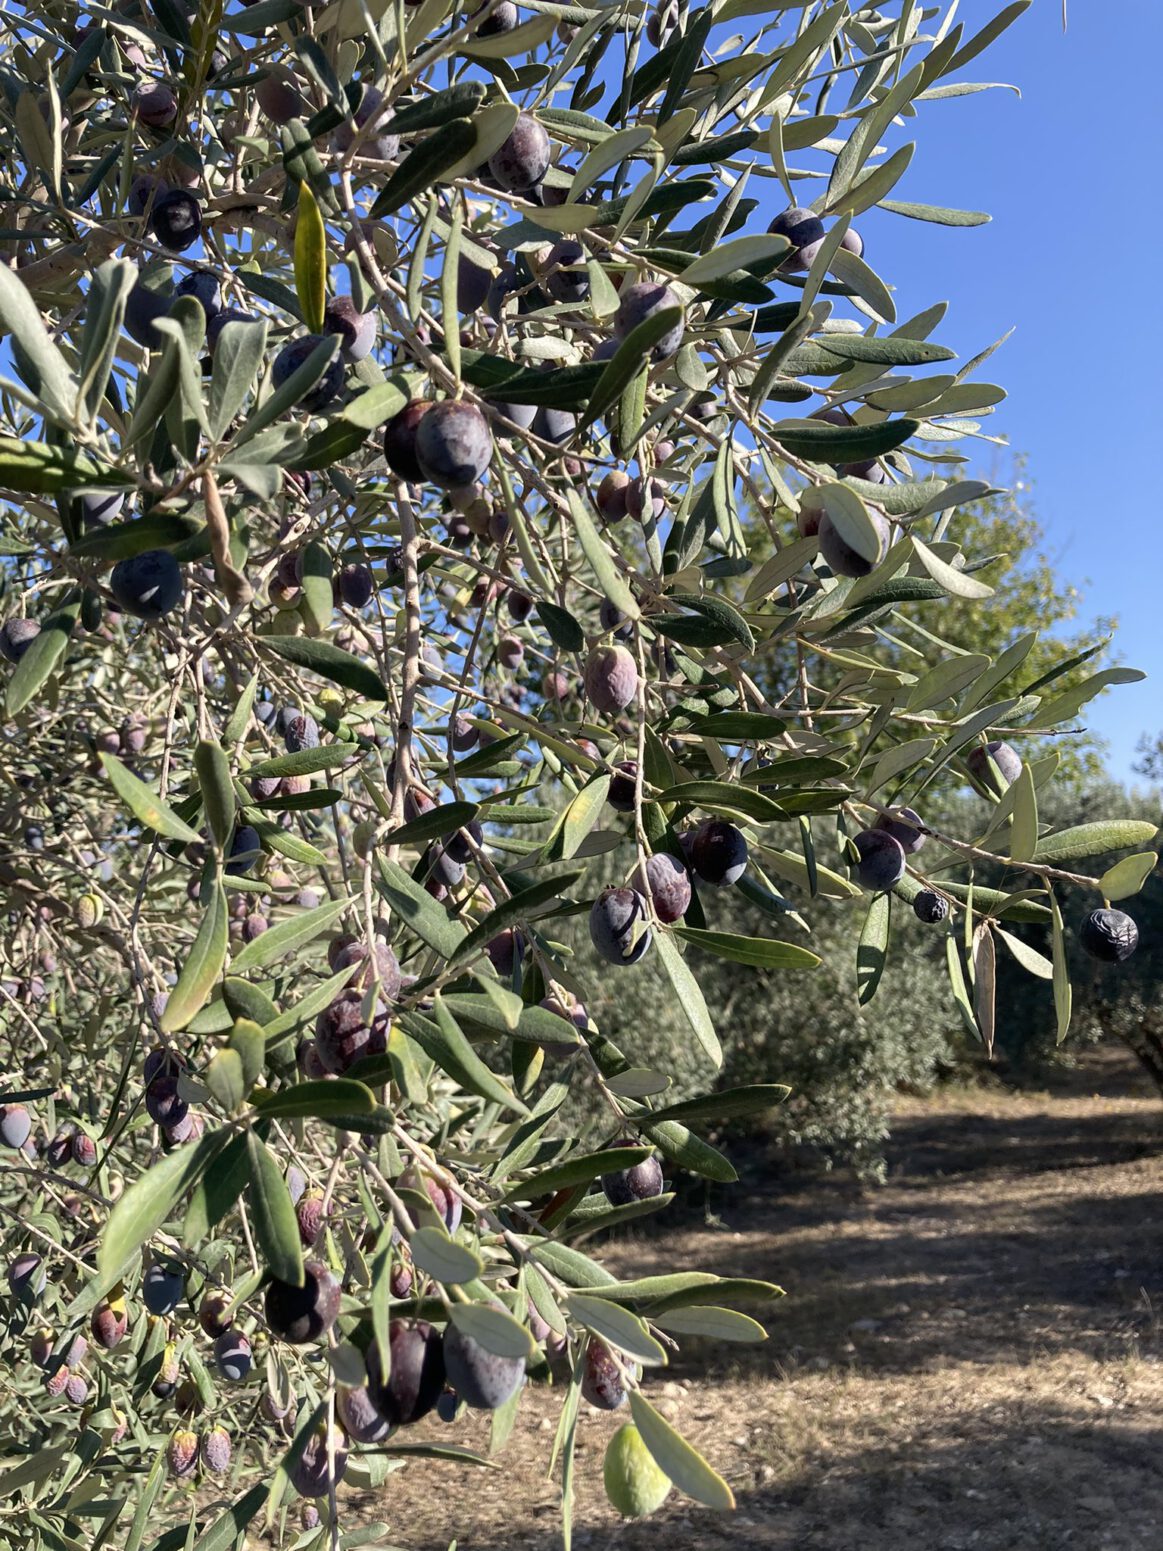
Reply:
x=969, y=1359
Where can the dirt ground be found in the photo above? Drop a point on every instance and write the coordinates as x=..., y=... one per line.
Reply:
x=968, y=1358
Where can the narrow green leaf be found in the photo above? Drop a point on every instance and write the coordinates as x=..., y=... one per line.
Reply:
x=203, y=966
x=239, y=352
x=1024, y=823
x=284, y=398
x=842, y=443
x=739, y=726
x=682, y=1147
x=761, y=952
x=875, y=184
x=738, y=253
x=535, y=1023
x=1063, y=994
x=690, y=998
x=441, y=1451
x=960, y=991
x=227, y=1529
x=616, y=146
x=435, y=824
x=715, y=1290
x=286, y=842
x=687, y=56
x=601, y=562
x=726, y=1104
x=617, y=1327
x=328, y=756
x=249, y=1043
x=561, y=387
x=892, y=350
x=225, y=1080
x=44, y=656
x=419, y=911
x=310, y=259
x=441, y=1257
x=723, y=797
x=521, y=906
x=239, y=719
x=579, y=1170
x=985, y=982
x=685, y=1466
x=1096, y=839
x=896, y=761
x=157, y=530
x=330, y=662
x=722, y=613
x=289, y=936
x=455, y=102
x=1030, y=959
x=941, y=215
x=449, y=287
x=275, y=1225
x=148, y=1202
x=144, y=1505
x=627, y=362
x=40, y=363
x=569, y=1265
x=104, y=315
x=306, y=1008
x=451, y=1051
x=946, y=680
x=321, y=1099
x=38, y=469
x=371, y=408
x=775, y=358
x=1127, y=877
x=561, y=627
x=582, y=814
x=1066, y=706
x=850, y=517
x=493, y=1328
x=33, y=1469
x=217, y=1191
x=217, y=789
x=712, y=1323
x=144, y=803
x=955, y=582
x=425, y=165
x=872, y=950
x=981, y=40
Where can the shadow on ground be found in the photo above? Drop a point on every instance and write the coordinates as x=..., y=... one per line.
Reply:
x=995, y=1236
x=1040, y=1482
x=968, y=1358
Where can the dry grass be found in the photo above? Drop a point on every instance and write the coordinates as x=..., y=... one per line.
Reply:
x=969, y=1356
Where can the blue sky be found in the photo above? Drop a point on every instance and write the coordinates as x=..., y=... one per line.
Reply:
x=1070, y=175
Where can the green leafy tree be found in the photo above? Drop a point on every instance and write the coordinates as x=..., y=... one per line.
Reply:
x=1150, y=760
x=382, y=393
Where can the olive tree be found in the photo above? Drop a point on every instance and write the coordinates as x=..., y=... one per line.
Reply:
x=396, y=403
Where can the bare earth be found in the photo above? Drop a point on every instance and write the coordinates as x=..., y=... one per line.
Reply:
x=968, y=1357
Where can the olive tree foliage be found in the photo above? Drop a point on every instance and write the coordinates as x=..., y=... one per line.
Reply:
x=1150, y=758
x=383, y=393
x=1119, y=1001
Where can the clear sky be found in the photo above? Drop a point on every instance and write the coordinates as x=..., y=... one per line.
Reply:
x=1074, y=258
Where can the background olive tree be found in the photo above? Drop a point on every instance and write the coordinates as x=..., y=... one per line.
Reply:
x=442, y=477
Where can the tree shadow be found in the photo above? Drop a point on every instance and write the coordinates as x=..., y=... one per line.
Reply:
x=967, y=1359
x=993, y=1237
x=1033, y=1478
